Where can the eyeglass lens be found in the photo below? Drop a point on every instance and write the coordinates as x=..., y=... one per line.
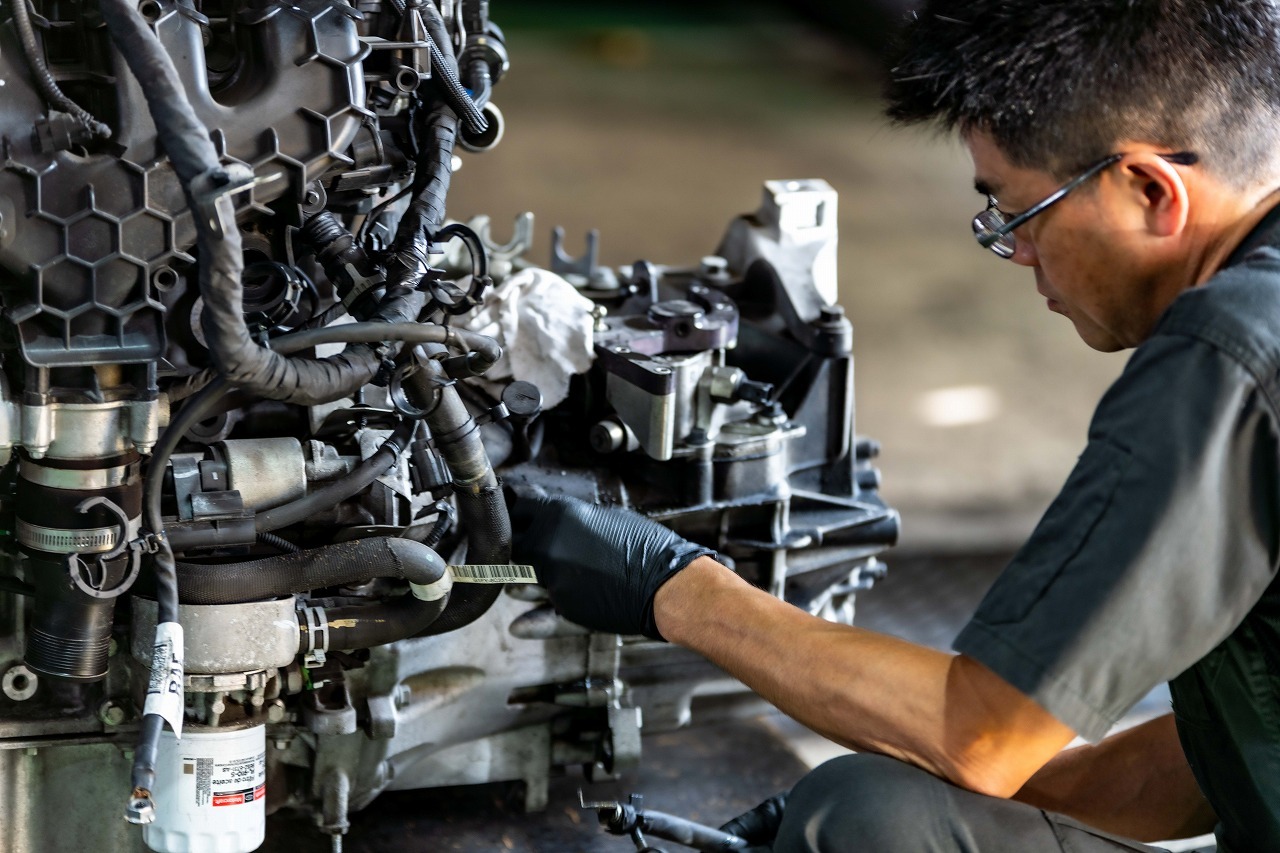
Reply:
x=986, y=227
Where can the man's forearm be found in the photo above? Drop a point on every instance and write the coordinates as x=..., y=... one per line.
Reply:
x=1136, y=783
x=871, y=692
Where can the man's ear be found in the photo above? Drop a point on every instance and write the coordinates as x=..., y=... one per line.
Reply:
x=1157, y=185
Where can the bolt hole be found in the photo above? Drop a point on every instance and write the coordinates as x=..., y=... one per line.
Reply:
x=21, y=683
x=150, y=10
x=164, y=278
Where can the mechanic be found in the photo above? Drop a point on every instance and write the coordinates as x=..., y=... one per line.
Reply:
x=1140, y=139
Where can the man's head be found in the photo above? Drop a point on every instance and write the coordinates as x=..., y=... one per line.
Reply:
x=1042, y=89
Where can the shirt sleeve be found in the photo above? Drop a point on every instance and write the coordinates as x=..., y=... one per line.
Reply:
x=1160, y=543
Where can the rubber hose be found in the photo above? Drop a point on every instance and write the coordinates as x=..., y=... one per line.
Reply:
x=235, y=352
x=339, y=490
x=481, y=507
x=53, y=95
x=357, y=561
x=365, y=626
x=480, y=349
x=488, y=542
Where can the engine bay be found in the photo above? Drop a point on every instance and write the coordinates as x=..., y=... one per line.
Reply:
x=264, y=408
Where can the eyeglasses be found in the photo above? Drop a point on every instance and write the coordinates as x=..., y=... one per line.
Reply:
x=993, y=231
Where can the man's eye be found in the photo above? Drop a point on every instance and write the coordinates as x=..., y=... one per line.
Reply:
x=994, y=204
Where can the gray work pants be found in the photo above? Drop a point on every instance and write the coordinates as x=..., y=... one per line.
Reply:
x=874, y=804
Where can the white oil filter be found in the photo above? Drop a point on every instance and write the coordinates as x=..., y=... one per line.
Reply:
x=210, y=794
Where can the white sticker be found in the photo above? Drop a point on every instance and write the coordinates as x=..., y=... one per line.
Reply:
x=164, y=691
x=493, y=574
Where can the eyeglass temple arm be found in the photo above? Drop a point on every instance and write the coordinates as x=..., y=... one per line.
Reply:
x=991, y=236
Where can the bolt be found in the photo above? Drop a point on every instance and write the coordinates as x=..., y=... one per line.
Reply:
x=403, y=694
x=111, y=713
x=831, y=314
x=598, y=313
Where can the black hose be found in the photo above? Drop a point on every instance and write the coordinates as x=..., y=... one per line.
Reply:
x=488, y=543
x=364, y=626
x=446, y=515
x=339, y=490
x=53, y=96
x=271, y=540
x=482, y=351
x=357, y=561
x=481, y=506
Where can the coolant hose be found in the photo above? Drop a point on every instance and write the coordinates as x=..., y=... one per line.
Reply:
x=339, y=490
x=481, y=508
x=363, y=626
x=343, y=563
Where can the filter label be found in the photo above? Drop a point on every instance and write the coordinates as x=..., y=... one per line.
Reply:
x=227, y=781
x=238, y=798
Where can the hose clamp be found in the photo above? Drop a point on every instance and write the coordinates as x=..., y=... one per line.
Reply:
x=317, y=625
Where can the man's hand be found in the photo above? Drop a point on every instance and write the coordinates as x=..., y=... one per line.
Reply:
x=601, y=565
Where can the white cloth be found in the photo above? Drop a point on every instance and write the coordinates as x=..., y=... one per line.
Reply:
x=545, y=327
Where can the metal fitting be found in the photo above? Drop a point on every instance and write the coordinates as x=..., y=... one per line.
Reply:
x=19, y=683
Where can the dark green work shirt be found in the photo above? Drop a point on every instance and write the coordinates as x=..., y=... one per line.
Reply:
x=1158, y=560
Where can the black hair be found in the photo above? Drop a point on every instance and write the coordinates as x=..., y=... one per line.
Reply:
x=1058, y=83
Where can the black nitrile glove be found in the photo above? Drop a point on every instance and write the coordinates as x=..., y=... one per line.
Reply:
x=760, y=825
x=601, y=565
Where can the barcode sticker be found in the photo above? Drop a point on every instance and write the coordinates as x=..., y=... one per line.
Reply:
x=164, y=691
x=493, y=574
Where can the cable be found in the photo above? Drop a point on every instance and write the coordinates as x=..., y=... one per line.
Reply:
x=147, y=749
x=278, y=542
x=339, y=490
x=53, y=96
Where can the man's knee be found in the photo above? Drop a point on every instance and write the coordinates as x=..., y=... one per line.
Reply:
x=875, y=802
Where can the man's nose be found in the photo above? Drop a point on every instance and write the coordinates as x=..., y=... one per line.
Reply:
x=1024, y=252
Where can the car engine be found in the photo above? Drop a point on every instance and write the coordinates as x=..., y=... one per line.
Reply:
x=264, y=407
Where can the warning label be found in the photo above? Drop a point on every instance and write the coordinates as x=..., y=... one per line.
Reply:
x=239, y=798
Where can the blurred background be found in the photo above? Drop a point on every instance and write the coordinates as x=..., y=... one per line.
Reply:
x=657, y=122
